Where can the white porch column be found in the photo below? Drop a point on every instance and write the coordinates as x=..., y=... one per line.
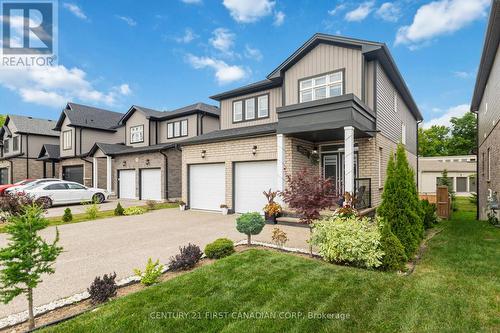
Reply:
x=108, y=174
x=94, y=171
x=280, y=140
x=349, y=159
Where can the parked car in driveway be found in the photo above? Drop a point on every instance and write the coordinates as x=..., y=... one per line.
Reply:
x=4, y=187
x=21, y=187
x=64, y=192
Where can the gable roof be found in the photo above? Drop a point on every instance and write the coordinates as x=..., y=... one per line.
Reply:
x=29, y=125
x=49, y=152
x=89, y=117
x=490, y=49
x=165, y=115
x=121, y=149
x=371, y=50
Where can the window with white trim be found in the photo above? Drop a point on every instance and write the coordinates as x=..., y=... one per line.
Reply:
x=177, y=129
x=319, y=87
x=238, y=111
x=263, y=105
x=403, y=133
x=15, y=143
x=67, y=142
x=252, y=108
x=137, y=134
x=6, y=146
x=395, y=102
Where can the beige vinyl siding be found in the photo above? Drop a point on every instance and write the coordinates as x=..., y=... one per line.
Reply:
x=192, y=127
x=90, y=137
x=388, y=121
x=137, y=119
x=210, y=124
x=369, y=84
x=322, y=59
x=226, y=120
x=488, y=119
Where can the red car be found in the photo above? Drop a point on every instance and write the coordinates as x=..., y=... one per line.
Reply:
x=6, y=186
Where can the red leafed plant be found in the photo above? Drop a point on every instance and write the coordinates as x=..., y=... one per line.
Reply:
x=308, y=193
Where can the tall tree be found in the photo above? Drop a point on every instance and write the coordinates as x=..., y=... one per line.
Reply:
x=433, y=141
x=2, y=119
x=463, y=134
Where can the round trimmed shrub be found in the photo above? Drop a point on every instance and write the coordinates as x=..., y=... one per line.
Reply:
x=68, y=216
x=220, y=248
x=250, y=224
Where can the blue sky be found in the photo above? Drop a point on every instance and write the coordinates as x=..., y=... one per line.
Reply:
x=167, y=54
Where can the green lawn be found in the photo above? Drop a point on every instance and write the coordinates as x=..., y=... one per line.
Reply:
x=455, y=288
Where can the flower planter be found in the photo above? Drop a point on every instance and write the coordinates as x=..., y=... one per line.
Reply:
x=270, y=218
x=224, y=211
x=182, y=207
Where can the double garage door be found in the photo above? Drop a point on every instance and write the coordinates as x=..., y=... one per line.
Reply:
x=207, y=185
x=150, y=187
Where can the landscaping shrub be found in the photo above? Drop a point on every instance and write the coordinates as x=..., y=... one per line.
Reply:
x=400, y=205
x=151, y=204
x=67, y=216
x=119, y=211
x=13, y=204
x=102, y=289
x=91, y=209
x=134, y=211
x=279, y=237
x=430, y=215
x=394, y=253
x=151, y=274
x=187, y=258
x=250, y=224
x=348, y=240
x=220, y=248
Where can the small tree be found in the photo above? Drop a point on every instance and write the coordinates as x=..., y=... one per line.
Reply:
x=308, y=193
x=250, y=224
x=26, y=257
x=119, y=211
x=68, y=216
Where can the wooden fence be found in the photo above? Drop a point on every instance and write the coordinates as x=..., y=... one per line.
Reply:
x=441, y=199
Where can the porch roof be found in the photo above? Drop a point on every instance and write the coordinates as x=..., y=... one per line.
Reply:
x=318, y=120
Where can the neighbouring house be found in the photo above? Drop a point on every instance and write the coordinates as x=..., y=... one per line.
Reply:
x=80, y=127
x=337, y=105
x=461, y=171
x=21, y=138
x=147, y=164
x=486, y=104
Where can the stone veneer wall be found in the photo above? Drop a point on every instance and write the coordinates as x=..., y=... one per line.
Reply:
x=493, y=143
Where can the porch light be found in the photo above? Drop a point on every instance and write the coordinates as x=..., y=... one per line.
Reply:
x=203, y=152
x=147, y=161
x=124, y=163
x=254, y=150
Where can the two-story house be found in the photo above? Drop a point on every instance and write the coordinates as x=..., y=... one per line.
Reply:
x=486, y=104
x=337, y=105
x=21, y=139
x=79, y=127
x=147, y=165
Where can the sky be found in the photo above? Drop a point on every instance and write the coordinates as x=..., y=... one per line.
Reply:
x=165, y=54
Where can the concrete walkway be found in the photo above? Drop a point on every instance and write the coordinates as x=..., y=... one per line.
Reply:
x=121, y=244
x=79, y=208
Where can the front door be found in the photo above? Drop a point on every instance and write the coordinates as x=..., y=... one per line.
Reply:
x=4, y=176
x=333, y=168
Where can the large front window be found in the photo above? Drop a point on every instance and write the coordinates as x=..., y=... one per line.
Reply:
x=67, y=140
x=323, y=86
x=252, y=108
x=177, y=129
x=137, y=134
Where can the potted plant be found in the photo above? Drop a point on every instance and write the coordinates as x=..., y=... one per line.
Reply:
x=223, y=208
x=272, y=211
x=182, y=205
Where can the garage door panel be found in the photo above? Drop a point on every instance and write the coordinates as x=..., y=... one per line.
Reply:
x=127, y=184
x=151, y=184
x=207, y=186
x=73, y=173
x=250, y=180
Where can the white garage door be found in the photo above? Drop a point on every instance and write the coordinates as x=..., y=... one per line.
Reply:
x=207, y=186
x=150, y=184
x=250, y=180
x=127, y=184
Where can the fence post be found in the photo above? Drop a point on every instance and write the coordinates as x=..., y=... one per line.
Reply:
x=443, y=202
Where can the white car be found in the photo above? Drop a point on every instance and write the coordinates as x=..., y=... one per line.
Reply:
x=20, y=188
x=64, y=192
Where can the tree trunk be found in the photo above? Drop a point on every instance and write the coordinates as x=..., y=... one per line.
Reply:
x=30, y=309
x=249, y=241
x=310, y=244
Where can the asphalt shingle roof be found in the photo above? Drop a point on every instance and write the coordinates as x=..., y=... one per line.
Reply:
x=164, y=115
x=121, y=149
x=231, y=133
x=88, y=116
x=30, y=125
x=49, y=152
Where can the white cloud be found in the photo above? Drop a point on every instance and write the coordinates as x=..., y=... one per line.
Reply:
x=361, y=12
x=389, y=11
x=224, y=73
x=336, y=10
x=446, y=115
x=223, y=40
x=462, y=74
x=192, y=2
x=439, y=18
x=279, y=18
x=77, y=11
x=188, y=36
x=253, y=53
x=53, y=86
x=130, y=21
x=246, y=11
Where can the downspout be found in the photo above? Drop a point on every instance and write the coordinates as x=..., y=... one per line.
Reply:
x=156, y=132
x=27, y=156
x=201, y=123
x=11, y=171
x=166, y=174
x=477, y=163
x=81, y=130
x=418, y=176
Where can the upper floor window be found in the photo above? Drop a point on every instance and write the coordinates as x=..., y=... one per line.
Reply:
x=66, y=140
x=137, y=134
x=324, y=86
x=395, y=102
x=403, y=133
x=6, y=146
x=177, y=129
x=15, y=143
x=252, y=108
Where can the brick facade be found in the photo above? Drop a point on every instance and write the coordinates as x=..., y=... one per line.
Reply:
x=87, y=168
x=23, y=168
x=492, y=143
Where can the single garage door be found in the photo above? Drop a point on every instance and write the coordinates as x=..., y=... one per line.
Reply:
x=250, y=180
x=207, y=186
x=126, y=179
x=73, y=173
x=150, y=184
